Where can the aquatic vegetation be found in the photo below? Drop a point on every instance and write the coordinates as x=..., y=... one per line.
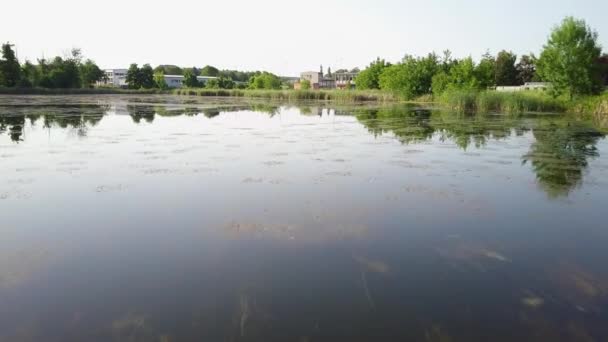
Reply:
x=251, y=319
x=532, y=301
x=436, y=334
x=458, y=252
x=17, y=267
x=375, y=266
x=132, y=327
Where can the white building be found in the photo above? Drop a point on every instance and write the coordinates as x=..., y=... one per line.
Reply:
x=526, y=86
x=176, y=81
x=114, y=78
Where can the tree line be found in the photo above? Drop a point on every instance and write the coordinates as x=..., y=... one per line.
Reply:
x=571, y=61
x=72, y=71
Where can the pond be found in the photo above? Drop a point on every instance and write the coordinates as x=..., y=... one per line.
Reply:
x=158, y=218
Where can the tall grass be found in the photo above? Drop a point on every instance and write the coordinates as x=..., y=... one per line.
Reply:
x=295, y=95
x=463, y=101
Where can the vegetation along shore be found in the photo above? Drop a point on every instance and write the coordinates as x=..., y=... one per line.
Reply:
x=570, y=75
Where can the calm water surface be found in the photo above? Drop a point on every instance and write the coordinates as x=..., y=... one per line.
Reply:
x=186, y=219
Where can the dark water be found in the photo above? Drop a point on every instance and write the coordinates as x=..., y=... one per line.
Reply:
x=181, y=219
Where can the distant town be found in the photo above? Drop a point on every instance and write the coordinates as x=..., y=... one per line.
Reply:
x=340, y=79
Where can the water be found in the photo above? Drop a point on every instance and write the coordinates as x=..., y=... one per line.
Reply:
x=187, y=219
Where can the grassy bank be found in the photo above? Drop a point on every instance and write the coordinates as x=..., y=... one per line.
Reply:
x=295, y=95
x=76, y=91
x=501, y=102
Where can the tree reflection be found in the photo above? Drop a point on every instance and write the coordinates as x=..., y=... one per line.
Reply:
x=560, y=154
x=139, y=112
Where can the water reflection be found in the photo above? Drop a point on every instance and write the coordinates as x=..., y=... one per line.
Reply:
x=560, y=154
x=274, y=222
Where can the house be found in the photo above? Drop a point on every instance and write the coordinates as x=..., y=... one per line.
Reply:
x=176, y=81
x=114, y=78
x=542, y=86
x=317, y=80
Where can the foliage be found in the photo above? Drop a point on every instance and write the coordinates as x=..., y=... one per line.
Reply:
x=370, y=77
x=90, y=73
x=168, y=69
x=190, y=79
x=506, y=73
x=304, y=85
x=462, y=75
x=10, y=71
x=569, y=59
x=526, y=69
x=143, y=77
x=209, y=71
x=265, y=80
x=159, y=79
x=212, y=84
x=486, y=70
x=412, y=77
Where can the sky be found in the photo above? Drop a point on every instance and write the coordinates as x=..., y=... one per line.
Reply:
x=284, y=36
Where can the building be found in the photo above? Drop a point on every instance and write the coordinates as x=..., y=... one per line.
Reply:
x=177, y=81
x=341, y=80
x=345, y=80
x=542, y=86
x=114, y=78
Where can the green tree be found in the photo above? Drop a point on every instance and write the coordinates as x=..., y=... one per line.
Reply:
x=146, y=77
x=485, y=71
x=209, y=70
x=30, y=75
x=506, y=73
x=526, y=69
x=370, y=77
x=225, y=82
x=265, y=80
x=212, y=83
x=412, y=77
x=133, y=79
x=90, y=73
x=159, y=79
x=569, y=60
x=440, y=83
x=462, y=75
x=190, y=79
x=304, y=84
x=10, y=70
x=168, y=69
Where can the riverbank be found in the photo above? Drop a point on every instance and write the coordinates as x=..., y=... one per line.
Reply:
x=460, y=101
x=295, y=95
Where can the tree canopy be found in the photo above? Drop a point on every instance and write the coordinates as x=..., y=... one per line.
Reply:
x=569, y=59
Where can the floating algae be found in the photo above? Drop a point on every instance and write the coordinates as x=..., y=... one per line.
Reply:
x=374, y=266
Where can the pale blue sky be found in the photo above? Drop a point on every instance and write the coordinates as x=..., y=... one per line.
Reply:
x=283, y=36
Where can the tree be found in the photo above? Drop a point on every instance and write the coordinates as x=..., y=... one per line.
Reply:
x=146, y=77
x=526, y=69
x=506, y=73
x=304, y=85
x=412, y=77
x=190, y=79
x=209, y=70
x=10, y=70
x=132, y=79
x=265, y=80
x=90, y=73
x=569, y=60
x=225, y=82
x=462, y=75
x=168, y=69
x=486, y=71
x=370, y=77
x=212, y=84
x=159, y=80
